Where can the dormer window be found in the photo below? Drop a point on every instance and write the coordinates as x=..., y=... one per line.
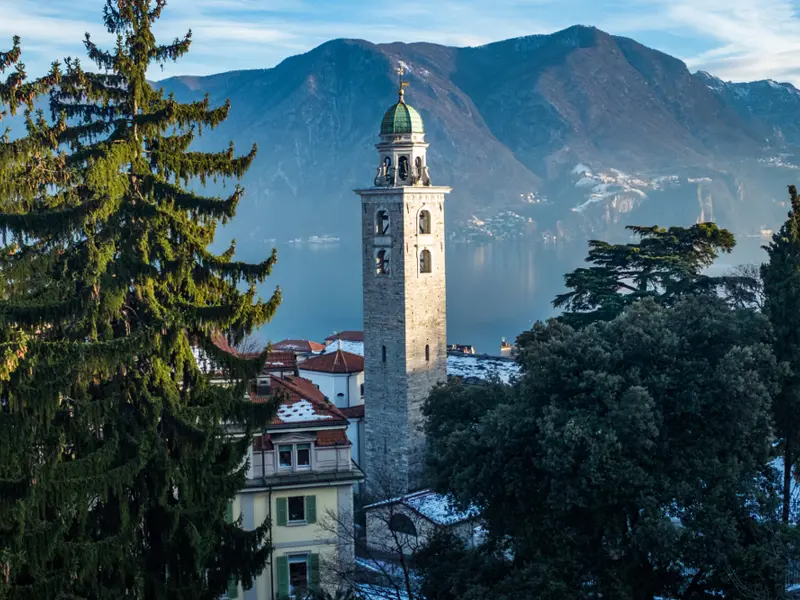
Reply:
x=382, y=222
x=294, y=457
x=424, y=222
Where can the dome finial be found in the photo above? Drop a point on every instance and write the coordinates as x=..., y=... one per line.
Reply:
x=403, y=84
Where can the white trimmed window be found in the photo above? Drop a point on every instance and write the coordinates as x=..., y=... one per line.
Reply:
x=294, y=457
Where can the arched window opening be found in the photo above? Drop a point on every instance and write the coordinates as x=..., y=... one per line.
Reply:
x=403, y=168
x=400, y=523
x=383, y=353
x=427, y=352
x=382, y=222
x=387, y=162
x=382, y=262
x=424, y=222
x=425, y=262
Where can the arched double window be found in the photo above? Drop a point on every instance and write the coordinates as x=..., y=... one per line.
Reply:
x=382, y=222
x=400, y=523
x=425, y=262
x=424, y=222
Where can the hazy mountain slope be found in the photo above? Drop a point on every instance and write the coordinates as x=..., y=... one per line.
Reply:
x=568, y=134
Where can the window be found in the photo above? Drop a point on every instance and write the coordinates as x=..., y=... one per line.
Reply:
x=424, y=222
x=427, y=352
x=362, y=389
x=298, y=576
x=383, y=353
x=296, y=510
x=294, y=457
x=403, y=168
x=382, y=222
x=285, y=457
x=382, y=262
x=400, y=523
x=425, y=263
x=303, y=456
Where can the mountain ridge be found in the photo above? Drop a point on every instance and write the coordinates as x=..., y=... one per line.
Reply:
x=561, y=135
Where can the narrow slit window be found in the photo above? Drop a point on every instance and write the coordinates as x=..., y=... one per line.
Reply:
x=427, y=352
x=382, y=223
x=383, y=353
x=424, y=222
x=425, y=262
x=382, y=262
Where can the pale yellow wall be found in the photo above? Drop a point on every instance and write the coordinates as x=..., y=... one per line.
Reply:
x=326, y=502
x=326, y=553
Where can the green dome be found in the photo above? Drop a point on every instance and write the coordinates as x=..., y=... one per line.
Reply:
x=401, y=118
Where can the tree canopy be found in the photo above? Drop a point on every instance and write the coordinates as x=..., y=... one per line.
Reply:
x=117, y=460
x=781, y=277
x=629, y=461
x=664, y=264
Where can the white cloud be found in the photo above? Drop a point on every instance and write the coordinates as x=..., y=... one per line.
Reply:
x=749, y=39
x=737, y=39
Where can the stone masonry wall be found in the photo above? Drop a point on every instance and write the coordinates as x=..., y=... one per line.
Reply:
x=404, y=311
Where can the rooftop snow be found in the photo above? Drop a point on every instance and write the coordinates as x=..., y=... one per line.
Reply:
x=434, y=507
x=299, y=412
x=481, y=367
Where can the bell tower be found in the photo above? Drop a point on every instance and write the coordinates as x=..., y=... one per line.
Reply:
x=405, y=341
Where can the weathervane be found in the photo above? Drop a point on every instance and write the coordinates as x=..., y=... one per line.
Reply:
x=403, y=84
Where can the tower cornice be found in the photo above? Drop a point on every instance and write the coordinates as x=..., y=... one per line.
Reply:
x=403, y=190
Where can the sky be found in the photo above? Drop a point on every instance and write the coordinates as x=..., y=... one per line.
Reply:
x=737, y=40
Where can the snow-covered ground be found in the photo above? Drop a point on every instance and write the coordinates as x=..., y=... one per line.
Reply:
x=481, y=367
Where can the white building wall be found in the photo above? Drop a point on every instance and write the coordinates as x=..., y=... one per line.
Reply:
x=324, y=381
x=356, y=385
x=333, y=384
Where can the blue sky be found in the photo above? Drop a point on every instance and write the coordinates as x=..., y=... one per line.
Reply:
x=738, y=40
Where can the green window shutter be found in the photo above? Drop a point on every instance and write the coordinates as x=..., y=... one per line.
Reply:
x=313, y=572
x=233, y=589
x=311, y=509
x=283, y=577
x=229, y=512
x=282, y=505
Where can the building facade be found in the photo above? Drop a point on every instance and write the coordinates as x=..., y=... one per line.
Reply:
x=405, y=341
x=301, y=478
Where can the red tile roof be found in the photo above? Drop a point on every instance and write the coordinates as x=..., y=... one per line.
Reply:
x=221, y=342
x=346, y=336
x=280, y=361
x=299, y=346
x=296, y=390
x=334, y=362
x=353, y=412
x=332, y=437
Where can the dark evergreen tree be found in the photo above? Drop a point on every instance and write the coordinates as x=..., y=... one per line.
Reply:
x=781, y=276
x=665, y=264
x=116, y=459
x=629, y=461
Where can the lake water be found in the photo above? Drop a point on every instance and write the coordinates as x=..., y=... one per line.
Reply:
x=494, y=290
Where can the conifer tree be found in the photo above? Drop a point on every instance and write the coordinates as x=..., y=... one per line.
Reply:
x=664, y=264
x=116, y=459
x=781, y=276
